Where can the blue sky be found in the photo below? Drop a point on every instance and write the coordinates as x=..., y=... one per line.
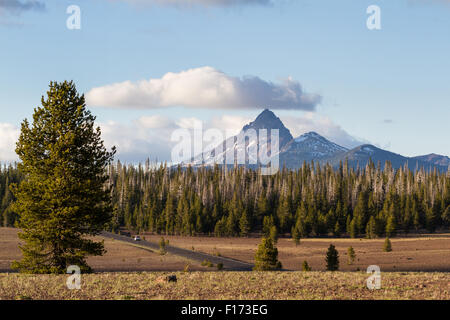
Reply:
x=389, y=87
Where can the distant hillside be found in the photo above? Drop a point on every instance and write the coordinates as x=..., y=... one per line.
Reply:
x=434, y=159
x=361, y=155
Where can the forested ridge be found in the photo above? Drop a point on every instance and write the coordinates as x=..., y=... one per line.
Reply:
x=315, y=200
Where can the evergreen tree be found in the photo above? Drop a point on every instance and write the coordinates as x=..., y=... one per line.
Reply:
x=431, y=218
x=63, y=197
x=332, y=259
x=348, y=225
x=337, y=229
x=351, y=255
x=360, y=214
x=296, y=234
x=284, y=214
x=274, y=234
x=162, y=246
x=446, y=216
x=391, y=225
x=416, y=217
x=220, y=229
x=353, y=229
x=266, y=257
x=387, y=247
x=268, y=223
x=371, y=228
x=244, y=224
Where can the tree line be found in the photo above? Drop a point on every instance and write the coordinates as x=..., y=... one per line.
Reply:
x=315, y=200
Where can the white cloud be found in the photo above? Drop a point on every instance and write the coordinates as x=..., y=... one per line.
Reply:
x=8, y=138
x=189, y=123
x=229, y=122
x=204, y=87
x=323, y=126
x=154, y=122
x=150, y=136
x=139, y=139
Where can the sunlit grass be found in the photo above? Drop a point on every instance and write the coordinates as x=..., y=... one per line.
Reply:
x=228, y=285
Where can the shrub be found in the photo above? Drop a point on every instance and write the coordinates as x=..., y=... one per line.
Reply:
x=207, y=263
x=305, y=266
x=220, y=266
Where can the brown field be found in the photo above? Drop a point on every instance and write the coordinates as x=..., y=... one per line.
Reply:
x=431, y=254
x=412, y=254
x=425, y=253
x=119, y=257
x=228, y=285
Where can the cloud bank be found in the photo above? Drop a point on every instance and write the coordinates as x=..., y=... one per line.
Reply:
x=206, y=88
x=149, y=136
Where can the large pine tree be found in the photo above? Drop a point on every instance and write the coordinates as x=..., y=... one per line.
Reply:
x=62, y=198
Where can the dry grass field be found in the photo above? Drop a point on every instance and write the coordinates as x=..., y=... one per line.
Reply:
x=122, y=272
x=119, y=257
x=431, y=254
x=228, y=285
x=428, y=253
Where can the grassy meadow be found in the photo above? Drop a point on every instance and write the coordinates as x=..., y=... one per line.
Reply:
x=228, y=285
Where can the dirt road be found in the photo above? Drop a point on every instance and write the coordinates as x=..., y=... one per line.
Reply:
x=228, y=263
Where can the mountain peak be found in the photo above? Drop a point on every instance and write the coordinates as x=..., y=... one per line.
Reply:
x=268, y=120
x=266, y=114
x=308, y=135
x=267, y=117
x=315, y=146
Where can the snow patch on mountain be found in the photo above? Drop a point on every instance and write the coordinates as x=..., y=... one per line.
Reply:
x=318, y=145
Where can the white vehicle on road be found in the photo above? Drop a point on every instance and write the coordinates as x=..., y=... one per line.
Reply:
x=137, y=238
